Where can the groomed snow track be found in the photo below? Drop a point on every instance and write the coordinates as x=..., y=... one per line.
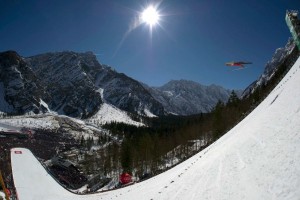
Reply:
x=257, y=159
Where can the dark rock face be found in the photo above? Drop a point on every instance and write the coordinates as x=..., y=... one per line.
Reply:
x=22, y=88
x=65, y=79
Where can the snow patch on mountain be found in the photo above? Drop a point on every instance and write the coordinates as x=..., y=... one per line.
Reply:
x=148, y=113
x=109, y=113
x=43, y=103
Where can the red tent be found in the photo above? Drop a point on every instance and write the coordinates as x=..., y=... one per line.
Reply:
x=125, y=178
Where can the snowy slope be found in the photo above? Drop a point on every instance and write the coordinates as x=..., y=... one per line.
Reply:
x=38, y=121
x=257, y=159
x=109, y=113
x=7, y=127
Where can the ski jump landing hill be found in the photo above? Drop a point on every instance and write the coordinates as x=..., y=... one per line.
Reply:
x=257, y=159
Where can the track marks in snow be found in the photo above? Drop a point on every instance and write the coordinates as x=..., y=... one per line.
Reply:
x=286, y=79
x=241, y=161
x=183, y=187
x=298, y=110
x=260, y=142
x=219, y=175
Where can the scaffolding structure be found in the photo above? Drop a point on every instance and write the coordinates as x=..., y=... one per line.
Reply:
x=4, y=187
x=293, y=23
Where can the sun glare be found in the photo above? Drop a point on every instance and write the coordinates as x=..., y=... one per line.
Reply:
x=150, y=16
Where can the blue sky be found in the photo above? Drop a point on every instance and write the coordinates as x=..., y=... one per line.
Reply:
x=193, y=40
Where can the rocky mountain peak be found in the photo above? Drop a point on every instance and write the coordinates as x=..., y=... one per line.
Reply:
x=184, y=97
x=271, y=67
x=10, y=58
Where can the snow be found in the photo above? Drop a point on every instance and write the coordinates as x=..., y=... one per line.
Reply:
x=168, y=93
x=52, y=121
x=2, y=195
x=109, y=113
x=257, y=159
x=148, y=113
x=36, y=121
x=100, y=91
x=6, y=127
x=45, y=105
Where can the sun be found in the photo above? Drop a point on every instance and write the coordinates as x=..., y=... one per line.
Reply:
x=150, y=16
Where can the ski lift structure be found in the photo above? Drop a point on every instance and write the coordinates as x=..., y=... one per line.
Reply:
x=6, y=191
x=293, y=23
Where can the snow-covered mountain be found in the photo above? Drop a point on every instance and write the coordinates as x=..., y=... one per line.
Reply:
x=127, y=93
x=82, y=79
x=76, y=84
x=69, y=83
x=185, y=97
x=65, y=79
x=271, y=67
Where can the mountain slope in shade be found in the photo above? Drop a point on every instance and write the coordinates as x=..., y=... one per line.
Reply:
x=4, y=106
x=65, y=79
x=257, y=159
x=74, y=79
x=21, y=90
x=127, y=93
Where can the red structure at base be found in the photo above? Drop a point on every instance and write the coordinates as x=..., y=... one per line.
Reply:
x=125, y=178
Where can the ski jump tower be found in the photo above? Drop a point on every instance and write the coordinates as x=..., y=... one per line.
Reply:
x=293, y=23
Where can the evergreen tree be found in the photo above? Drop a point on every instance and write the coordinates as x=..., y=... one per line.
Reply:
x=233, y=99
x=82, y=141
x=126, y=156
x=218, y=120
